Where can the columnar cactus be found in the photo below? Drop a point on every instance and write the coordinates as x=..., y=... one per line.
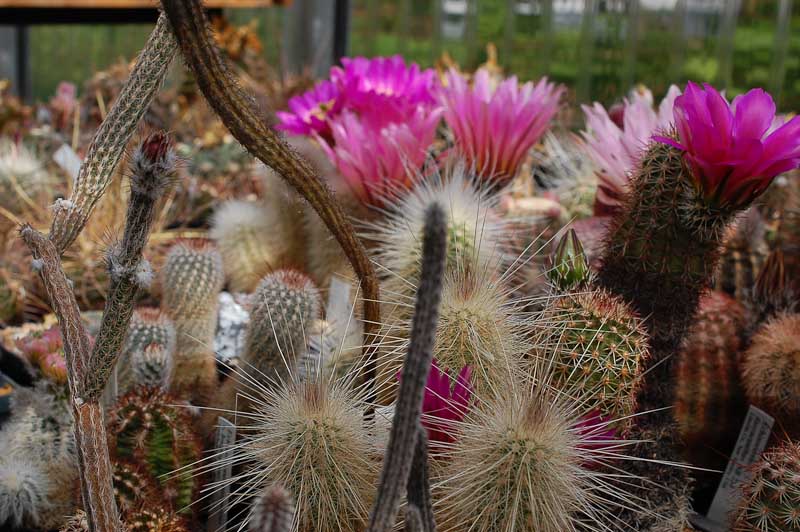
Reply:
x=285, y=304
x=133, y=486
x=772, y=497
x=310, y=438
x=774, y=292
x=145, y=430
x=151, y=366
x=710, y=401
x=742, y=257
x=251, y=241
x=192, y=280
x=771, y=370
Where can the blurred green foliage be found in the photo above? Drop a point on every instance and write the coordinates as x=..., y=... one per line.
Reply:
x=600, y=57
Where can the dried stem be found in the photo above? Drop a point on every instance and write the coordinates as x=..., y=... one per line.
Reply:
x=405, y=428
x=111, y=139
x=249, y=126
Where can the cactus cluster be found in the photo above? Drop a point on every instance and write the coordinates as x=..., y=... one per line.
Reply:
x=192, y=278
x=771, y=500
x=145, y=430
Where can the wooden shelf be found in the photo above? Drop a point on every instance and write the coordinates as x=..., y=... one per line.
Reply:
x=128, y=4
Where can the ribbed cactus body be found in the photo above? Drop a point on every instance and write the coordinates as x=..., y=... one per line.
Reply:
x=742, y=257
x=273, y=511
x=133, y=486
x=25, y=492
x=771, y=370
x=772, y=497
x=600, y=346
x=145, y=430
x=251, y=240
x=150, y=329
x=710, y=401
x=192, y=278
x=155, y=518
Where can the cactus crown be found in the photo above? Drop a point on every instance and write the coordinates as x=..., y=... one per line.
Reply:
x=570, y=268
x=772, y=497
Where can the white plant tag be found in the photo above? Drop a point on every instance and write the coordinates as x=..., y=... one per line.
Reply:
x=337, y=312
x=752, y=440
x=68, y=160
x=220, y=502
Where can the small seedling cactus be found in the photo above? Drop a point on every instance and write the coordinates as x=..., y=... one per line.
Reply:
x=772, y=497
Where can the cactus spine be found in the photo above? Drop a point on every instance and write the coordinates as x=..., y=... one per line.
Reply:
x=771, y=370
x=772, y=497
x=192, y=280
x=146, y=431
x=251, y=240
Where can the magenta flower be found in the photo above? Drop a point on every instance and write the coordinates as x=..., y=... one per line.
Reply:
x=615, y=142
x=384, y=88
x=310, y=111
x=596, y=434
x=495, y=128
x=444, y=406
x=734, y=150
x=378, y=160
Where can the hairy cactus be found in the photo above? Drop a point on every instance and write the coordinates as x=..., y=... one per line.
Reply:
x=25, y=494
x=149, y=327
x=309, y=438
x=772, y=497
x=251, y=241
x=600, y=347
x=710, y=401
x=273, y=511
x=522, y=462
x=145, y=430
x=22, y=176
x=771, y=370
x=192, y=280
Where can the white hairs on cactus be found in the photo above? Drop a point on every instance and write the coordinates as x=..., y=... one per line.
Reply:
x=252, y=241
x=20, y=171
x=25, y=491
x=526, y=461
x=309, y=437
x=475, y=231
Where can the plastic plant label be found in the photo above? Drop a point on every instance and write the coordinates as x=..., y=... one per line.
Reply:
x=220, y=502
x=752, y=440
x=68, y=160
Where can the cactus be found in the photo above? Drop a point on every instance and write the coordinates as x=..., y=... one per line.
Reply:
x=133, y=486
x=273, y=511
x=522, y=461
x=710, y=402
x=12, y=297
x=771, y=370
x=251, y=240
x=599, y=346
x=151, y=366
x=155, y=518
x=149, y=326
x=147, y=431
x=771, y=500
x=406, y=429
x=76, y=523
x=25, y=490
x=743, y=255
x=22, y=176
x=309, y=437
x=284, y=305
x=192, y=280
x=772, y=294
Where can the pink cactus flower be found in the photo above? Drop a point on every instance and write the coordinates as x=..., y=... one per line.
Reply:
x=384, y=88
x=309, y=112
x=495, y=128
x=734, y=150
x=445, y=404
x=54, y=367
x=378, y=160
x=596, y=434
x=615, y=142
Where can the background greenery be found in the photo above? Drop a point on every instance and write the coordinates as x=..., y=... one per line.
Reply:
x=600, y=57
